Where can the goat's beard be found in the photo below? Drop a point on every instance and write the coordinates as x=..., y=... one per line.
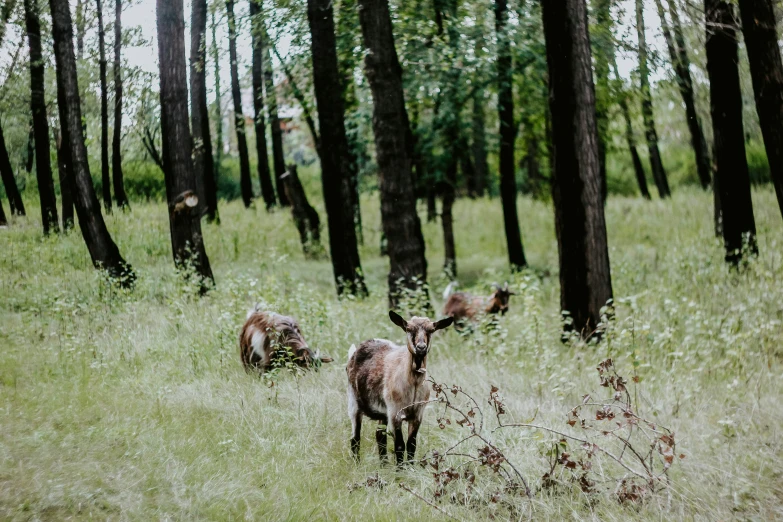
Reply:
x=417, y=361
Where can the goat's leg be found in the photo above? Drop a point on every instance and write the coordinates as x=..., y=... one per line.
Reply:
x=413, y=430
x=356, y=423
x=399, y=444
x=381, y=439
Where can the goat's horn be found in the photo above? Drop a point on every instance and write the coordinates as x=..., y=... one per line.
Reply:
x=505, y=287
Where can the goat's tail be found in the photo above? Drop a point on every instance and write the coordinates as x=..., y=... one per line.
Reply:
x=351, y=351
x=449, y=289
x=256, y=308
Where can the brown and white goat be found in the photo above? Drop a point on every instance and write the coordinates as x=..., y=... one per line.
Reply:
x=267, y=335
x=463, y=306
x=387, y=383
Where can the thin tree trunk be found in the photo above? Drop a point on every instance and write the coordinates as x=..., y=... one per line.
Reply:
x=3, y=220
x=766, y=70
x=585, y=280
x=239, y=118
x=278, y=158
x=184, y=219
x=641, y=177
x=218, y=117
x=681, y=65
x=432, y=205
x=105, y=175
x=199, y=113
x=604, y=49
x=400, y=221
x=739, y=226
x=43, y=166
x=479, y=146
x=103, y=251
x=659, y=174
x=305, y=216
x=264, y=175
x=30, y=158
x=80, y=7
x=116, y=151
x=336, y=162
x=65, y=175
x=508, y=185
x=9, y=182
x=447, y=220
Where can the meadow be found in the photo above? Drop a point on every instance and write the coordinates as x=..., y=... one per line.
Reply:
x=134, y=405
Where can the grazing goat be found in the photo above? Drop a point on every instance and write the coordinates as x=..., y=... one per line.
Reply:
x=463, y=306
x=387, y=383
x=267, y=335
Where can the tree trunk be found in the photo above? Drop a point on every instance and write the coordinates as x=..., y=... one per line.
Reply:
x=479, y=146
x=447, y=220
x=184, y=219
x=390, y=124
x=105, y=176
x=80, y=7
x=585, y=281
x=3, y=220
x=508, y=184
x=681, y=65
x=199, y=113
x=9, y=182
x=239, y=118
x=65, y=175
x=30, y=158
x=739, y=227
x=336, y=162
x=103, y=251
x=659, y=174
x=766, y=70
x=305, y=216
x=43, y=166
x=264, y=175
x=641, y=177
x=278, y=158
x=604, y=49
x=218, y=156
x=116, y=152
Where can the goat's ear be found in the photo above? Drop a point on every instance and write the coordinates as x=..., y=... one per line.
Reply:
x=511, y=292
x=398, y=320
x=444, y=323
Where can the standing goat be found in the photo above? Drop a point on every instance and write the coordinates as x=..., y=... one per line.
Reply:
x=387, y=383
x=267, y=335
x=464, y=306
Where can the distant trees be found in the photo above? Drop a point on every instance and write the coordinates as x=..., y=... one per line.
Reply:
x=336, y=168
x=184, y=218
x=105, y=176
x=732, y=178
x=278, y=158
x=116, y=144
x=630, y=139
x=239, y=117
x=766, y=71
x=103, y=251
x=401, y=225
x=585, y=280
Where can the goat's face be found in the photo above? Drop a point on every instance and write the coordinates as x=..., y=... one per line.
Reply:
x=419, y=332
x=499, y=299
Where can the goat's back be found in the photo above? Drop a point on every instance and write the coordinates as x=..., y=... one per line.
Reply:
x=366, y=374
x=265, y=331
x=462, y=305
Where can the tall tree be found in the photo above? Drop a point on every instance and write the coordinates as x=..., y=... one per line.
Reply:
x=681, y=64
x=103, y=251
x=43, y=166
x=604, y=51
x=585, y=280
x=65, y=174
x=401, y=224
x=184, y=218
x=239, y=117
x=80, y=26
x=9, y=182
x=105, y=177
x=3, y=220
x=733, y=181
x=278, y=158
x=264, y=175
x=335, y=159
x=766, y=70
x=116, y=152
x=659, y=174
x=508, y=132
x=630, y=139
x=199, y=112
x=218, y=117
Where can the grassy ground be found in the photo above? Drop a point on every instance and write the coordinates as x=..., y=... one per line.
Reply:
x=135, y=406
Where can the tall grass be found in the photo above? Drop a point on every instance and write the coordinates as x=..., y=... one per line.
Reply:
x=134, y=406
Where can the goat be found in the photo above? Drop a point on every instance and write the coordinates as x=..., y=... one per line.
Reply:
x=463, y=306
x=387, y=383
x=267, y=334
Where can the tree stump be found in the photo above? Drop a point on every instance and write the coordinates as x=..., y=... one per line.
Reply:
x=305, y=216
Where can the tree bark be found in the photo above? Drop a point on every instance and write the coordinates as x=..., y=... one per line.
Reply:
x=659, y=174
x=278, y=158
x=508, y=184
x=203, y=167
x=103, y=251
x=447, y=220
x=43, y=166
x=65, y=175
x=239, y=117
x=305, y=216
x=264, y=175
x=336, y=162
x=739, y=227
x=585, y=280
x=604, y=50
x=3, y=220
x=766, y=70
x=105, y=175
x=184, y=219
x=116, y=151
x=30, y=158
x=641, y=177
x=80, y=7
x=681, y=65
x=400, y=221
x=9, y=182
x=218, y=156
x=479, y=146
